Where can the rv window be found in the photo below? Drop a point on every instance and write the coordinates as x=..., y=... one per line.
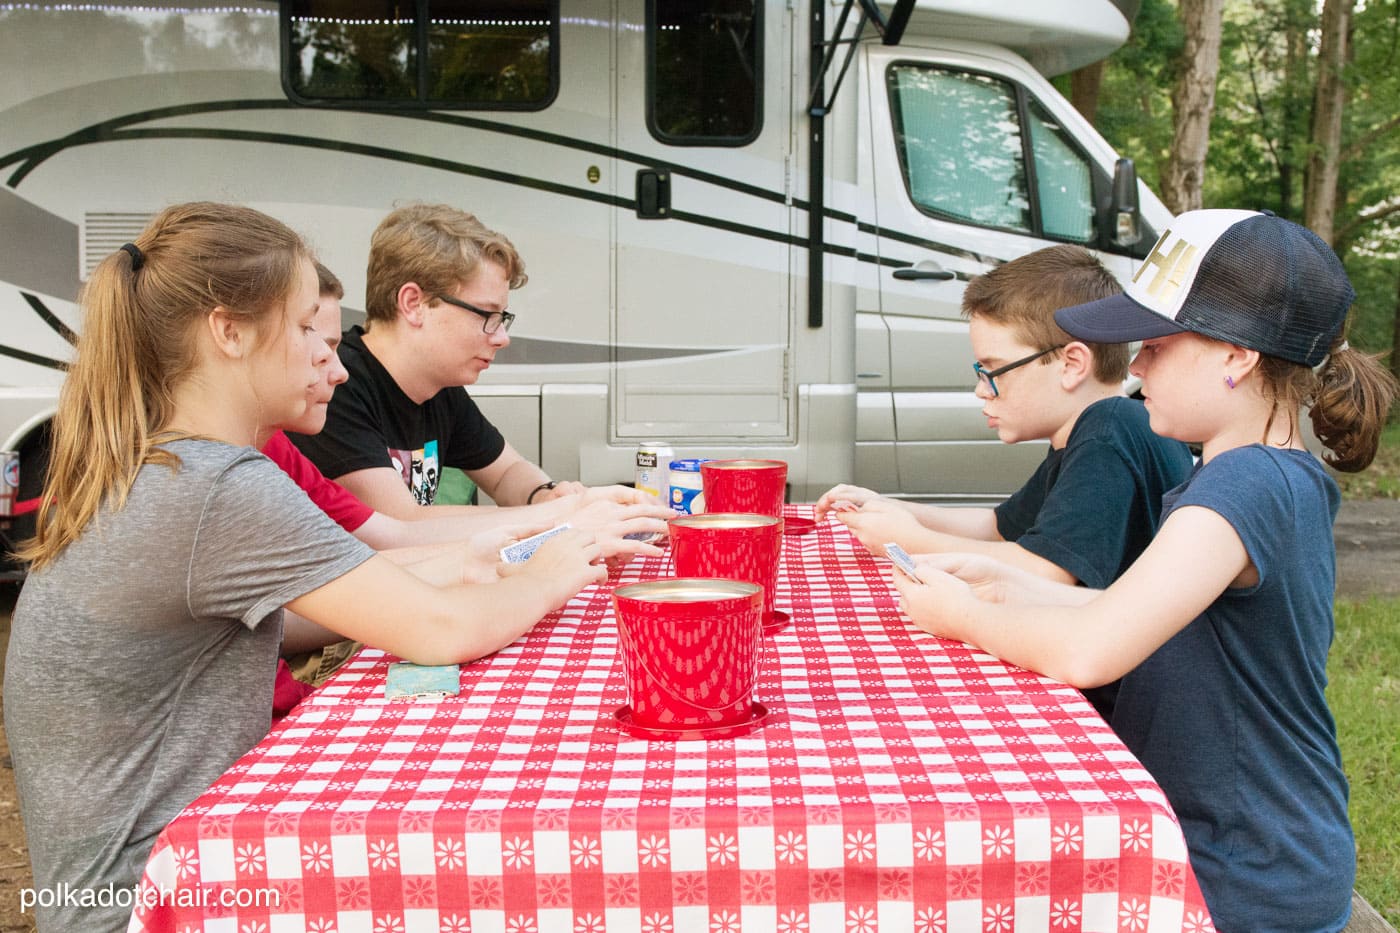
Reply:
x=959, y=141
x=435, y=53
x=1063, y=183
x=704, y=71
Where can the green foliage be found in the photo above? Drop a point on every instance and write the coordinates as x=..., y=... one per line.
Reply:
x=1364, y=693
x=1261, y=127
x=1135, y=109
x=1263, y=100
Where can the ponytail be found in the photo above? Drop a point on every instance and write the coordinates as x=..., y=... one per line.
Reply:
x=1350, y=404
x=137, y=346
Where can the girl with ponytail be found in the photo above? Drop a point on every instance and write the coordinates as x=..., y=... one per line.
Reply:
x=1221, y=629
x=145, y=640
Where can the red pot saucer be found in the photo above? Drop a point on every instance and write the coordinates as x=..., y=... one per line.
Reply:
x=674, y=733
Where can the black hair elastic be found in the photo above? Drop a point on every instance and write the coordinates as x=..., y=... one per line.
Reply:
x=138, y=258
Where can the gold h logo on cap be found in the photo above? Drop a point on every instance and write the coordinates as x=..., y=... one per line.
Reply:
x=1171, y=267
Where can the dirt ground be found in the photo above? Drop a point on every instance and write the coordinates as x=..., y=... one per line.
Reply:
x=1368, y=563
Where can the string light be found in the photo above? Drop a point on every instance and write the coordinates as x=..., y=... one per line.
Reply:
x=111, y=8
x=337, y=21
x=257, y=11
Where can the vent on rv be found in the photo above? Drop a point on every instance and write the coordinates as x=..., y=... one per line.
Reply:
x=103, y=233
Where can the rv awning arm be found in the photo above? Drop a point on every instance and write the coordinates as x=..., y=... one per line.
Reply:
x=891, y=30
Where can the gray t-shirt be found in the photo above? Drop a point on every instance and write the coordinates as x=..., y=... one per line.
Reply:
x=141, y=661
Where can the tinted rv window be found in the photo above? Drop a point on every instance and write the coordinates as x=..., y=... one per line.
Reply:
x=959, y=141
x=704, y=71
x=435, y=53
x=1063, y=182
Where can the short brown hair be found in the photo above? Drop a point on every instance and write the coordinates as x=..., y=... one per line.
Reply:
x=435, y=245
x=327, y=283
x=1025, y=293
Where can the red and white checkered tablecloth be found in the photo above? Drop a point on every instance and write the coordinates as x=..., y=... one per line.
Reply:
x=901, y=783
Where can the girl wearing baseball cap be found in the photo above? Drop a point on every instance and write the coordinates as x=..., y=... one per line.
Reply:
x=1221, y=629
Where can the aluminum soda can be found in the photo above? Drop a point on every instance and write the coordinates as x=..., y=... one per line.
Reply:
x=9, y=482
x=653, y=473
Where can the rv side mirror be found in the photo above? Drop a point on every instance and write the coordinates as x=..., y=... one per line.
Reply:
x=1123, y=209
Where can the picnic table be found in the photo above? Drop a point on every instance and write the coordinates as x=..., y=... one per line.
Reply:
x=899, y=782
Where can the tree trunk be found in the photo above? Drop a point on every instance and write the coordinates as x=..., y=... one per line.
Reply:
x=1193, y=103
x=1084, y=85
x=1395, y=333
x=1298, y=20
x=1324, y=160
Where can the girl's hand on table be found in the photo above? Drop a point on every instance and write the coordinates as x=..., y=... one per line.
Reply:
x=619, y=495
x=619, y=546
x=992, y=581
x=604, y=513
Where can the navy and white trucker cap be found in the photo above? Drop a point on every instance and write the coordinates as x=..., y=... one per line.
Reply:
x=1244, y=277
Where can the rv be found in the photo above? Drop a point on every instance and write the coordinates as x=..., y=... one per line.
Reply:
x=747, y=224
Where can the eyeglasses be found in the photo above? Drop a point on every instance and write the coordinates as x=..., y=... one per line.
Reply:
x=989, y=376
x=491, y=321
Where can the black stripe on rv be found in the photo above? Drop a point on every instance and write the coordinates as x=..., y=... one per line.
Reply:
x=34, y=358
x=116, y=130
x=49, y=318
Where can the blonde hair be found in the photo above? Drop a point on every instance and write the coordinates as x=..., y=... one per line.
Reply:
x=1025, y=293
x=137, y=346
x=436, y=246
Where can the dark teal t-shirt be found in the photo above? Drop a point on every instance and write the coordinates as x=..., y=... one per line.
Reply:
x=1230, y=715
x=1093, y=506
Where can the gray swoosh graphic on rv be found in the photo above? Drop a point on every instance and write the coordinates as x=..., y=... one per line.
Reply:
x=41, y=249
x=533, y=351
x=118, y=128
x=542, y=351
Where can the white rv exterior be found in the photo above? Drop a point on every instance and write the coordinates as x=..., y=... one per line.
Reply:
x=946, y=153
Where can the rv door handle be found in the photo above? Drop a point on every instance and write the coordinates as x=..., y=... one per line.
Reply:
x=653, y=194
x=916, y=274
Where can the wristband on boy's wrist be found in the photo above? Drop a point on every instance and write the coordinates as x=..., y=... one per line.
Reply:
x=530, y=499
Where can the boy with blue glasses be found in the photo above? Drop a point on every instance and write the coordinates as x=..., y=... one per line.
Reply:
x=1094, y=503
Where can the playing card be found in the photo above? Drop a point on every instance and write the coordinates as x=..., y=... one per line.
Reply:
x=523, y=549
x=902, y=560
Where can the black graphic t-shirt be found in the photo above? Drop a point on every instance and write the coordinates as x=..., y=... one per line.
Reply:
x=372, y=423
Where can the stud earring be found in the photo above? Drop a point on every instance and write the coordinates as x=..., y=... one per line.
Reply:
x=1230, y=382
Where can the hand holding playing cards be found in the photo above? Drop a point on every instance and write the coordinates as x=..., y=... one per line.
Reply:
x=562, y=565
x=938, y=602
x=482, y=552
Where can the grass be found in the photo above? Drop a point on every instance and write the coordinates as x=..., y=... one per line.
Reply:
x=1364, y=670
